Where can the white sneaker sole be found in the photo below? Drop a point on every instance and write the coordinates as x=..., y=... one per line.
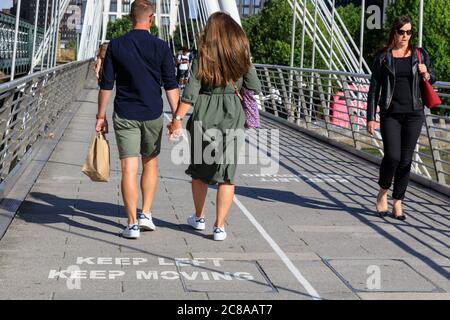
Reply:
x=147, y=226
x=196, y=227
x=130, y=236
x=221, y=238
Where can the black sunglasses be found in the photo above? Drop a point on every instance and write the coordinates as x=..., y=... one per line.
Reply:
x=403, y=32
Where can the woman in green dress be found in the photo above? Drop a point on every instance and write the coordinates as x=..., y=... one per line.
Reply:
x=217, y=121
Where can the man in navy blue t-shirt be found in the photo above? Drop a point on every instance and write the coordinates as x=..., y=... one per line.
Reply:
x=139, y=64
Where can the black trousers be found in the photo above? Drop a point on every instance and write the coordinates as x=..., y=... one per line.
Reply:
x=400, y=133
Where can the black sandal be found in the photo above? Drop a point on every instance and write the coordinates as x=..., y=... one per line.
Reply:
x=401, y=217
x=383, y=213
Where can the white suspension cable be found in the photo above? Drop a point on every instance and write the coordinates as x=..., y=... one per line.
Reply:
x=106, y=8
x=308, y=26
x=185, y=24
x=180, y=28
x=204, y=11
x=167, y=25
x=50, y=48
x=197, y=16
x=45, y=34
x=293, y=34
x=167, y=9
x=16, y=33
x=58, y=12
x=302, y=57
x=34, y=36
x=192, y=25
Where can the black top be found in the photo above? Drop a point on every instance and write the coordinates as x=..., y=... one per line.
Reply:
x=402, y=98
x=140, y=63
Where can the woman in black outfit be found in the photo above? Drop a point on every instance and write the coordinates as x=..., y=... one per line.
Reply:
x=394, y=87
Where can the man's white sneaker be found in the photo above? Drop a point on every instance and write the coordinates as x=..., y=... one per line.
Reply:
x=146, y=222
x=219, y=234
x=196, y=223
x=131, y=232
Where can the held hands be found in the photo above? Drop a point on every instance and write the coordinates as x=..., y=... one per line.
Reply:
x=371, y=126
x=174, y=130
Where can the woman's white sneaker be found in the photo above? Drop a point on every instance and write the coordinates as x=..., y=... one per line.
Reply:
x=219, y=234
x=146, y=222
x=196, y=223
x=131, y=232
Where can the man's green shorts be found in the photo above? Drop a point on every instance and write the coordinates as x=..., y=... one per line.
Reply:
x=138, y=138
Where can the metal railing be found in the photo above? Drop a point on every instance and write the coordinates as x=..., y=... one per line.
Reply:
x=333, y=104
x=24, y=45
x=31, y=107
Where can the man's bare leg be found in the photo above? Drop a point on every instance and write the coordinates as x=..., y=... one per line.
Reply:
x=149, y=182
x=129, y=187
x=199, y=192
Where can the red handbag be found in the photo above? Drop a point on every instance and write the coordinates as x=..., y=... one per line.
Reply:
x=429, y=96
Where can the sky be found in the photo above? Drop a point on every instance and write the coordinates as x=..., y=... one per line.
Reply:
x=9, y=3
x=5, y=4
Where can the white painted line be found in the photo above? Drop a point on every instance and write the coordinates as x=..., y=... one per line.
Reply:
x=312, y=292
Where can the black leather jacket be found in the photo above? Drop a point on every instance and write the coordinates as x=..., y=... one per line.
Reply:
x=383, y=80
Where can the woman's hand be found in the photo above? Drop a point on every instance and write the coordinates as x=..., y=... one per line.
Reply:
x=424, y=71
x=97, y=66
x=174, y=130
x=176, y=127
x=371, y=126
x=169, y=128
x=422, y=68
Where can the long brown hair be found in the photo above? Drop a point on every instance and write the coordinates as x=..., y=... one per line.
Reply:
x=102, y=50
x=224, y=53
x=396, y=25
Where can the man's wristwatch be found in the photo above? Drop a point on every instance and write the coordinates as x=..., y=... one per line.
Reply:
x=177, y=117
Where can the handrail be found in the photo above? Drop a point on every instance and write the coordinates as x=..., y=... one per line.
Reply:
x=333, y=104
x=30, y=107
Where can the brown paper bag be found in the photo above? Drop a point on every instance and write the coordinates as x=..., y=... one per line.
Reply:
x=96, y=165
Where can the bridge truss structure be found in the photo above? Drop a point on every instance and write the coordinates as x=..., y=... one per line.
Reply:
x=302, y=96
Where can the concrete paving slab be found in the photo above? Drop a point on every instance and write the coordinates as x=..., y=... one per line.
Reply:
x=381, y=275
x=318, y=217
x=404, y=296
x=225, y=276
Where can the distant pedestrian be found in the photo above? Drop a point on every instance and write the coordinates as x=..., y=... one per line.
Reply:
x=222, y=66
x=395, y=88
x=139, y=63
x=183, y=66
x=98, y=65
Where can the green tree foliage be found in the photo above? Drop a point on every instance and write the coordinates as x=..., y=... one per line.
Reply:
x=177, y=35
x=122, y=26
x=436, y=30
x=373, y=39
x=71, y=44
x=270, y=34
